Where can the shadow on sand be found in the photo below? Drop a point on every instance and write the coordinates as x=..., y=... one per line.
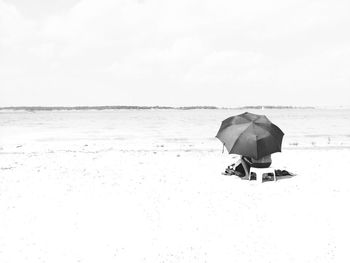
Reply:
x=280, y=175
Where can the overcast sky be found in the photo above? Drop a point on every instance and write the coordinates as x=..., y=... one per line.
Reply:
x=179, y=52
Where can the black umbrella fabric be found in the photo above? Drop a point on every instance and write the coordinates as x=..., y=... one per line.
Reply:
x=250, y=135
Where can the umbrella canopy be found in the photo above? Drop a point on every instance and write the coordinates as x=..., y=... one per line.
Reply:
x=250, y=135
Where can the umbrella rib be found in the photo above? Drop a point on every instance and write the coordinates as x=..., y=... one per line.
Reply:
x=240, y=136
x=256, y=145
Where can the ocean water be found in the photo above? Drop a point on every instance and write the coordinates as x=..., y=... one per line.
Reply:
x=161, y=130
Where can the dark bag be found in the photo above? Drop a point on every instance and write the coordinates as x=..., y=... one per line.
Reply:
x=282, y=173
x=239, y=170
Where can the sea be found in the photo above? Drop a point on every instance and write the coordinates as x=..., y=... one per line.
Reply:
x=162, y=129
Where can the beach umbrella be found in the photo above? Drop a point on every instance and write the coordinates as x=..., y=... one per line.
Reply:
x=250, y=135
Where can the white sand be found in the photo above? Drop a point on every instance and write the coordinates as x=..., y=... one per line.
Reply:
x=106, y=205
x=125, y=187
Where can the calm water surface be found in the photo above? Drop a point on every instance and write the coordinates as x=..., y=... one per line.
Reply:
x=186, y=130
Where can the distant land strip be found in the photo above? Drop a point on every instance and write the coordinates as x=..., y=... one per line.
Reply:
x=66, y=108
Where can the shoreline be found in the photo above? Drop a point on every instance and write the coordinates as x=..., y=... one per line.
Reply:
x=286, y=149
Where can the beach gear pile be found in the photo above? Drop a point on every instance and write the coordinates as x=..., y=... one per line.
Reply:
x=232, y=170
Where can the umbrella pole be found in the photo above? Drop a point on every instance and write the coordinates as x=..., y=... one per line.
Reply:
x=223, y=148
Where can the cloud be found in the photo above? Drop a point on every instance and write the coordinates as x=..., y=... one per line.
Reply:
x=14, y=29
x=176, y=52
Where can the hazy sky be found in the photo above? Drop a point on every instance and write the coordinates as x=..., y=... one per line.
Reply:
x=179, y=52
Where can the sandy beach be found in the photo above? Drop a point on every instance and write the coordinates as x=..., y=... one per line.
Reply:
x=111, y=144
x=76, y=189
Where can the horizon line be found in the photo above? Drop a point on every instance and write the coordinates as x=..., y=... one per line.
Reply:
x=142, y=107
